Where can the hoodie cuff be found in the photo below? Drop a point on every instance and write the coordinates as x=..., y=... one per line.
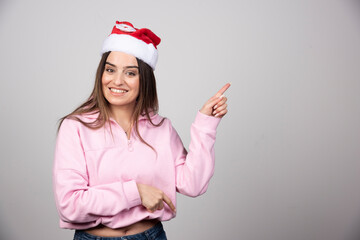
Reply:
x=132, y=193
x=204, y=121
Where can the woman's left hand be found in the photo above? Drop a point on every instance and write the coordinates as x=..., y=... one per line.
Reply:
x=216, y=106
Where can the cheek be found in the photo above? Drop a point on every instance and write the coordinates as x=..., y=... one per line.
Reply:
x=105, y=79
x=104, y=90
x=137, y=86
x=104, y=83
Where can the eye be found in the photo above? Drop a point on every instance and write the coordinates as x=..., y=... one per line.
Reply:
x=109, y=70
x=131, y=73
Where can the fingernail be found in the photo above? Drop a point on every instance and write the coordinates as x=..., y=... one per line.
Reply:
x=214, y=112
x=215, y=106
x=221, y=96
x=216, y=115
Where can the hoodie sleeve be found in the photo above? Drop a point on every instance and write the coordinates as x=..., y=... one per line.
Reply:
x=194, y=169
x=76, y=201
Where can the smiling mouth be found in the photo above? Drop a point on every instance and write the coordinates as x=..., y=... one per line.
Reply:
x=118, y=90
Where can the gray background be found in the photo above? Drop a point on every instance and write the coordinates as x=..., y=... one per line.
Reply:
x=288, y=155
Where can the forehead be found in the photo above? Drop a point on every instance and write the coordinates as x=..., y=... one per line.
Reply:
x=121, y=59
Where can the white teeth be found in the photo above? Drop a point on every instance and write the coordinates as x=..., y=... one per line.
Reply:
x=117, y=90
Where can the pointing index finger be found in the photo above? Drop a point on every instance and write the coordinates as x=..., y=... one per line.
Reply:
x=222, y=90
x=167, y=200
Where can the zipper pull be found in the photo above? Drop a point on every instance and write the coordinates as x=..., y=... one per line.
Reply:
x=130, y=145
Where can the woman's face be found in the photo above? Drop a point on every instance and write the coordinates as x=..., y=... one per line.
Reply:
x=120, y=80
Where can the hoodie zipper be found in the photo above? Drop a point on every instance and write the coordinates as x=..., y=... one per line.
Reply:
x=130, y=144
x=129, y=141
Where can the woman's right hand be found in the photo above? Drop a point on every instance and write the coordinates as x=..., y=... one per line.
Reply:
x=153, y=199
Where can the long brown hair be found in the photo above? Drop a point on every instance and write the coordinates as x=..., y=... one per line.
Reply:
x=146, y=102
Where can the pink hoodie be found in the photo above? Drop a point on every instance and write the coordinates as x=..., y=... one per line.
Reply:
x=95, y=172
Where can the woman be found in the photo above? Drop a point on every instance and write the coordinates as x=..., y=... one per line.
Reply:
x=118, y=164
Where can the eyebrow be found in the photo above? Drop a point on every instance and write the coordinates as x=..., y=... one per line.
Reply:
x=126, y=67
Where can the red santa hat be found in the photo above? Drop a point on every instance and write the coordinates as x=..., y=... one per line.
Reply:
x=141, y=43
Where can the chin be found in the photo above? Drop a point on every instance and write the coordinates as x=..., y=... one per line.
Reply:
x=122, y=103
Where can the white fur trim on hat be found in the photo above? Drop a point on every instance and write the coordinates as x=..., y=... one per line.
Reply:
x=133, y=46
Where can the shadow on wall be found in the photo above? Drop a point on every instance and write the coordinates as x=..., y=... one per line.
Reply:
x=355, y=234
x=356, y=5
x=3, y=4
x=4, y=232
x=355, y=229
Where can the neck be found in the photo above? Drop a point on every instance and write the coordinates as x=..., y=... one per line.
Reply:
x=123, y=116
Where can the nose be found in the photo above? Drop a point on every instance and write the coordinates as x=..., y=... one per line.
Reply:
x=119, y=79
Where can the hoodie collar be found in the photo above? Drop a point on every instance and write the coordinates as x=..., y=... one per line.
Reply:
x=95, y=115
